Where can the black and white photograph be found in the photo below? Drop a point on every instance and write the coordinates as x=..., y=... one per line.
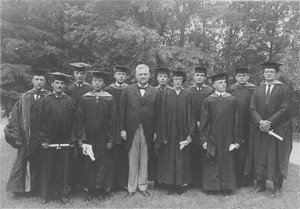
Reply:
x=150, y=104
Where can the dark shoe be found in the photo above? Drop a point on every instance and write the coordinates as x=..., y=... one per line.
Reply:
x=145, y=193
x=90, y=195
x=211, y=192
x=277, y=193
x=248, y=184
x=101, y=198
x=240, y=184
x=129, y=195
x=107, y=192
x=179, y=190
x=156, y=185
x=89, y=198
x=46, y=200
x=33, y=193
x=227, y=192
x=171, y=190
x=18, y=194
x=260, y=189
x=64, y=199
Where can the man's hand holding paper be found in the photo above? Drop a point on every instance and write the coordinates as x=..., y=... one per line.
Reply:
x=88, y=150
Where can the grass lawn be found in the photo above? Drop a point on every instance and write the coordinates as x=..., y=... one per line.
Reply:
x=296, y=137
x=193, y=198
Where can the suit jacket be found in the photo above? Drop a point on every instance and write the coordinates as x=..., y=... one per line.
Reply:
x=135, y=110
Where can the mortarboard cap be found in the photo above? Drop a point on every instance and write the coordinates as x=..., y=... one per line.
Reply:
x=100, y=74
x=39, y=72
x=60, y=76
x=220, y=76
x=201, y=69
x=80, y=66
x=179, y=73
x=119, y=68
x=242, y=70
x=270, y=64
x=162, y=71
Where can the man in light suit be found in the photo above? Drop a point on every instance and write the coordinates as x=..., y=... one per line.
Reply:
x=138, y=105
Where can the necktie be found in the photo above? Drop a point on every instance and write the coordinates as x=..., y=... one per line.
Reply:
x=268, y=93
x=142, y=87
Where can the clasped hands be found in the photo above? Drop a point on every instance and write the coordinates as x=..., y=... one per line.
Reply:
x=264, y=125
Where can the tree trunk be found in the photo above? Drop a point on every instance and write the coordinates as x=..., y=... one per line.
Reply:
x=228, y=50
x=182, y=29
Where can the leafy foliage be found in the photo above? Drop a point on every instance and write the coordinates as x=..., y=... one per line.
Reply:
x=14, y=81
x=170, y=33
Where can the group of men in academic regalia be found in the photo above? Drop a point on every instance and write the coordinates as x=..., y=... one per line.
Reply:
x=98, y=138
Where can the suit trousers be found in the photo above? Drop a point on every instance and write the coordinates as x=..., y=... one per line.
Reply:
x=138, y=162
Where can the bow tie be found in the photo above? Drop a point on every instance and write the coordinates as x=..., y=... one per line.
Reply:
x=142, y=87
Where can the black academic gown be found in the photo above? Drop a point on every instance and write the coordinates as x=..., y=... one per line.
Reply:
x=99, y=126
x=198, y=95
x=267, y=155
x=75, y=91
x=76, y=161
x=153, y=158
x=165, y=88
x=20, y=132
x=175, y=124
x=56, y=127
x=219, y=128
x=120, y=156
x=243, y=94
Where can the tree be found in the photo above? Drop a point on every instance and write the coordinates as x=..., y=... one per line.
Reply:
x=14, y=81
x=182, y=34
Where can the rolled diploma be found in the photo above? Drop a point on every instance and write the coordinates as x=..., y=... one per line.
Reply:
x=60, y=145
x=275, y=135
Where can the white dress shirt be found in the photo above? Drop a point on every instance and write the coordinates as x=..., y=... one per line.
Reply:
x=271, y=88
x=142, y=91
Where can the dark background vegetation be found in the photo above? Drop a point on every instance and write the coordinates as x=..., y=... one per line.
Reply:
x=49, y=34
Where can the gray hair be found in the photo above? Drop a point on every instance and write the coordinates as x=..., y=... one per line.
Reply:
x=141, y=67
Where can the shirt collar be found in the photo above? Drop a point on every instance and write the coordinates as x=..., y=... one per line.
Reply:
x=142, y=86
x=58, y=95
x=38, y=91
x=99, y=92
x=120, y=85
x=198, y=87
x=163, y=87
x=272, y=82
x=219, y=93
